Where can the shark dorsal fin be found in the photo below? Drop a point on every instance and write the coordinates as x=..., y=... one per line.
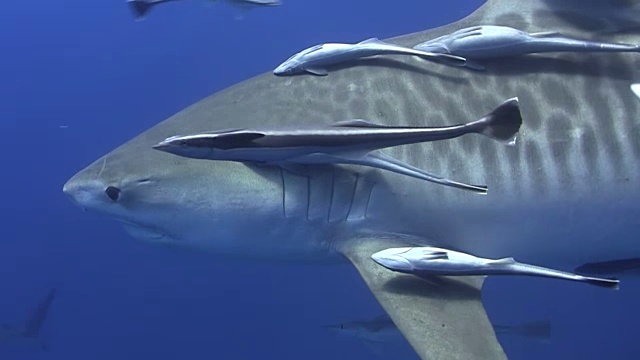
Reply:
x=359, y=123
x=372, y=40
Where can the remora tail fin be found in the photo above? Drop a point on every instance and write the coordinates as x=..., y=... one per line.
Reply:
x=502, y=124
x=443, y=319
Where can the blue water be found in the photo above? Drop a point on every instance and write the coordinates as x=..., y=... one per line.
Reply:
x=79, y=78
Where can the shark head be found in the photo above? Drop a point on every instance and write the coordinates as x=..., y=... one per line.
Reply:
x=161, y=198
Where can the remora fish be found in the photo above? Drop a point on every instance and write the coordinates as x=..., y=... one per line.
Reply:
x=32, y=326
x=567, y=195
x=140, y=8
x=346, y=142
x=316, y=59
x=490, y=41
x=431, y=261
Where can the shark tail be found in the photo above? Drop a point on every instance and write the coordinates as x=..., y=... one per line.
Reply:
x=503, y=123
x=140, y=8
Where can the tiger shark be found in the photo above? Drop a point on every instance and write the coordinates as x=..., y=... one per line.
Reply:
x=567, y=195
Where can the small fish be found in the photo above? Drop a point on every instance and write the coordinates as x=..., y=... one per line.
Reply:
x=426, y=261
x=142, y=7
x=489, y=41
x=347, y=142
x=316, y=59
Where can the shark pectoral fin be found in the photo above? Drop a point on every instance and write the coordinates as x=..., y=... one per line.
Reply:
x=446, y=320
x=317, y=71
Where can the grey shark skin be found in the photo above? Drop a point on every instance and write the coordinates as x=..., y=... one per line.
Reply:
x=490, y=41
x=316, y=59
x=140, y=8
x=567, y=195
x=346, y=142
x=433, y=261
x=33, y=325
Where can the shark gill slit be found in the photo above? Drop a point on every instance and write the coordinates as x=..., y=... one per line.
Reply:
x=366, y=207
x=308, y=195
x=284, y=194
x=353, y=194
x=333, y=190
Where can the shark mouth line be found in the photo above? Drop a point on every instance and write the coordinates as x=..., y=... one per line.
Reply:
x=141, y=231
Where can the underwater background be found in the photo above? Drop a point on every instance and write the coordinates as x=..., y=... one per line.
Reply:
x=82, y=77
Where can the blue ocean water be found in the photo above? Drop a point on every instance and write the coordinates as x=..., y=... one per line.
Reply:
x=80, y=78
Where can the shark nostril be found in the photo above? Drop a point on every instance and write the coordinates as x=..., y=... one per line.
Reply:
x=113, y=193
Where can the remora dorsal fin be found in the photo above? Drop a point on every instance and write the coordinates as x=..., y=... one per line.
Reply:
x=441, y=320
x=545, y=34
x=504, y=261
x=372, y=40
x=357, y=123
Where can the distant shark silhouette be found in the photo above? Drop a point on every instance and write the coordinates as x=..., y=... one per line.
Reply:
x=33, y=325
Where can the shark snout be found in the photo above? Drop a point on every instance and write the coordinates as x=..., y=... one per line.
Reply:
x=86, y=194
x=393, y=259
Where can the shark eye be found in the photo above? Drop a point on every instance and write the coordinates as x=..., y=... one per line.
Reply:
x=341, y=326
x=113, y=193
